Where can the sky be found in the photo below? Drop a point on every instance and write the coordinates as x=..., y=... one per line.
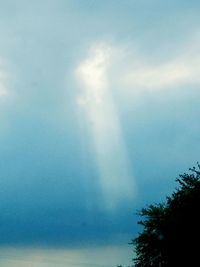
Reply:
x=99, y=114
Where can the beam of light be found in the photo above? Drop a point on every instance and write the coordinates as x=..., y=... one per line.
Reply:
x=115, y=177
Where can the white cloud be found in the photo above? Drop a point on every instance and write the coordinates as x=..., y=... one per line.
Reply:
x=132, y=71
x=165, y=75
x=3, y=82
x=176, y=71
x=3, y=89
x=91, y=72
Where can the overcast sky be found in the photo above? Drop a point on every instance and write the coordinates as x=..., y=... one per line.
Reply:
x=99, y=113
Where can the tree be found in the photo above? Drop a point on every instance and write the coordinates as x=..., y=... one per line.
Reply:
x=171, y=230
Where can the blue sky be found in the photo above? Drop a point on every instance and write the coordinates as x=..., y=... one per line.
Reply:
x=99, y=111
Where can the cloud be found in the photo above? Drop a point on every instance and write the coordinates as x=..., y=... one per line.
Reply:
x=158, y=77
x=3, y=88
x=92, y=74
x=3, y=80
x=181, y=69
x=130, y=68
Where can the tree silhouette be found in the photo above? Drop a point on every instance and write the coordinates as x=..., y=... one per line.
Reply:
x=171, y=230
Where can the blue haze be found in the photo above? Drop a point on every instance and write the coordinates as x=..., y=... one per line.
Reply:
x=49, y=187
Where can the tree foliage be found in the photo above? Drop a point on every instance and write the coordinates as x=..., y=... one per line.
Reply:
x=171, y=230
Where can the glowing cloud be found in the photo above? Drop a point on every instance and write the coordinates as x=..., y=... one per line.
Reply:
x=172, y=72
x=157, y=77
x=114, y=170
x=3, y=81
x=92, y=73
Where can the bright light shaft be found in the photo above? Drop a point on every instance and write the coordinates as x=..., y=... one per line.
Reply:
x=115, y=177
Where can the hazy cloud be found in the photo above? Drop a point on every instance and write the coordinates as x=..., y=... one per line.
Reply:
x=174, y=71
x=105, y=115
x=89, y=256
x=3, y=81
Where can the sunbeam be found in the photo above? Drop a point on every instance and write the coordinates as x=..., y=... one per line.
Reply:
x=116, y=181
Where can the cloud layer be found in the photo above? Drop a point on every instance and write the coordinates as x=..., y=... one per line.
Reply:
x=105, y=115
x=3, y=80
